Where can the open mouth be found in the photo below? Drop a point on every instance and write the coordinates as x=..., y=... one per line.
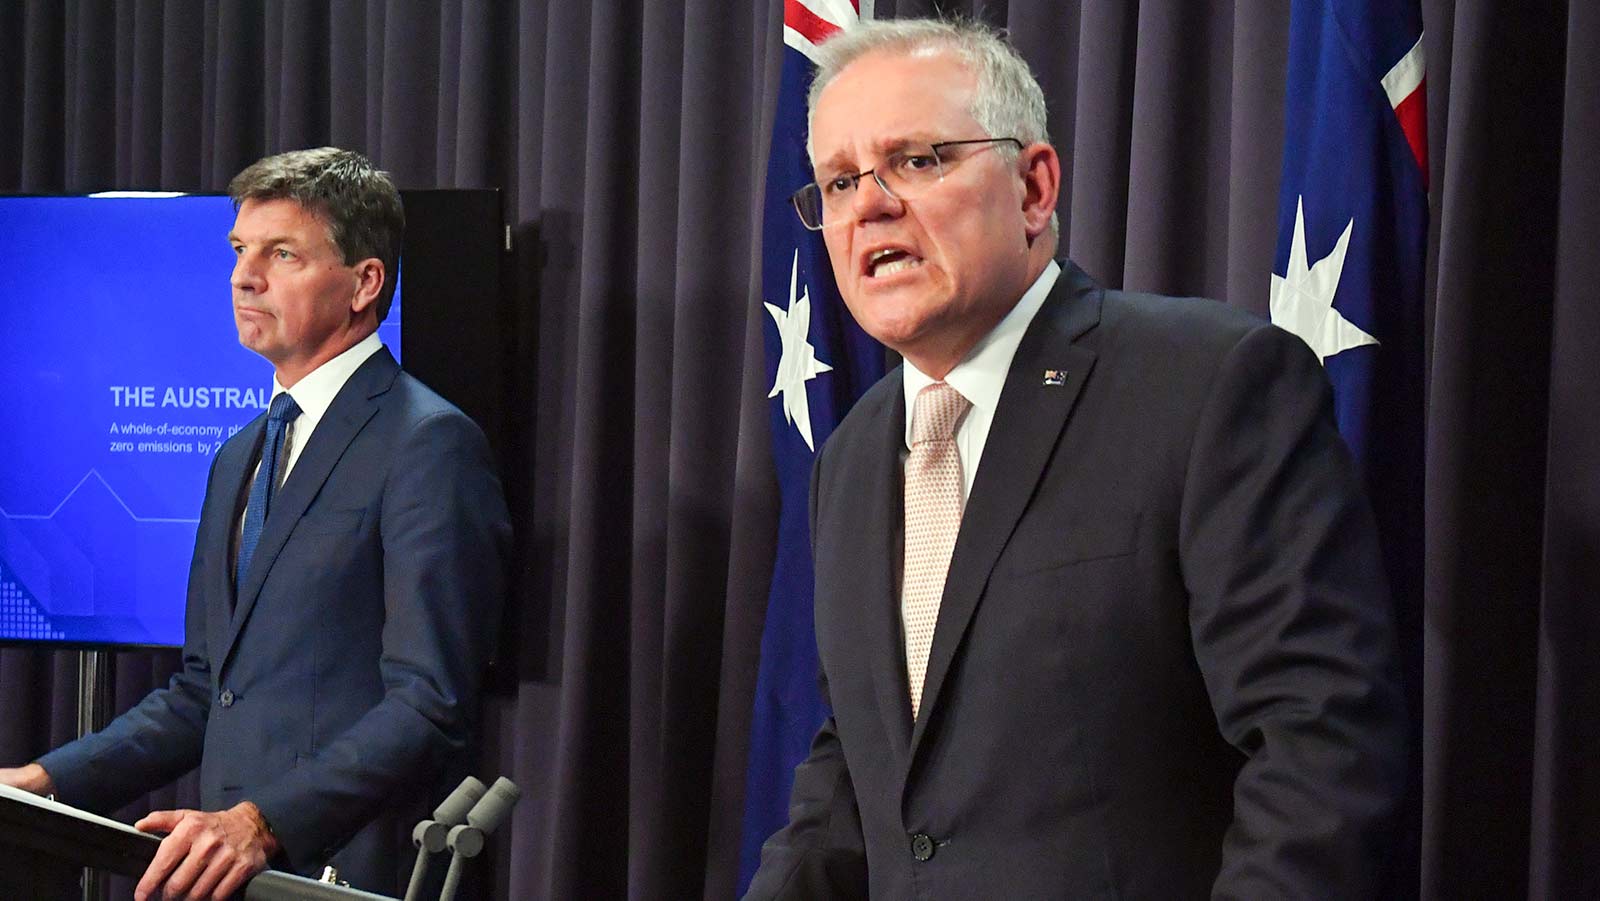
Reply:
x=890, y=260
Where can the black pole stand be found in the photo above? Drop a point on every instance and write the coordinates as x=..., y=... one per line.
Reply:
x=94, y=711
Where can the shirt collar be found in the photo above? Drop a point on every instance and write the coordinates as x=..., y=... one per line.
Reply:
x=314, y=393
x=981, y=375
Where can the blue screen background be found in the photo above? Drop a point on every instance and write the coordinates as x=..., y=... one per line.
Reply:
x=99, y=496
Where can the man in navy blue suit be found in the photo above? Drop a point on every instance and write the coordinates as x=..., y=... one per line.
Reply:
x=347, y=575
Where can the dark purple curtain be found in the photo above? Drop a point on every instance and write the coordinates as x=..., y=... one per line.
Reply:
x=630, y=138
x=1512, y=719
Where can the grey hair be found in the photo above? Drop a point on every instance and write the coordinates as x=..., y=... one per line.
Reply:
x=357, y=201
x=1008, y=102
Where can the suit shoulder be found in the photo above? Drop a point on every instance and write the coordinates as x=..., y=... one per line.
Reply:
x=1192, y=318
x=418, y=403
x=1180, y=333
x=419, y=396
x=877, y=402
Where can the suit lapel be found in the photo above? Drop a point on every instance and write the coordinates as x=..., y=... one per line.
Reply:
x=235, y=469
x=881, y=574
x=351, y=409
x=1047, y=373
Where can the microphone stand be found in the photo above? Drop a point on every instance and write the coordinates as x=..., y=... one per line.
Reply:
x=431, y=836
x=468, y=840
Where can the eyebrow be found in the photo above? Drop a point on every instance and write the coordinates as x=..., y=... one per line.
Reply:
x=233, y=238
x=831, y=164
x=882, y=148
x=891, y=145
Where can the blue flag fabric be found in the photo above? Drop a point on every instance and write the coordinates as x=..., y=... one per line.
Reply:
x=1349, y=271
x=1353, y=212
x=1352, y=243
x=818, y=363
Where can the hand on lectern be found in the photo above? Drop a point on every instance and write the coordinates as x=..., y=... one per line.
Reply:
x=205, y=855
x=30, y=778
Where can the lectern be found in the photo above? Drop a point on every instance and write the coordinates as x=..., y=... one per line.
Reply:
x=45, y=845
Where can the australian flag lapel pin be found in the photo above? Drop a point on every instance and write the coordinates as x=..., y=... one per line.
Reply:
x=1055, y=378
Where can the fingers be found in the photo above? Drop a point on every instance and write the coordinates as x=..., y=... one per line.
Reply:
x=235, y=879
x=160, y=820
x=29, y=778
x=206, y=855
x=173, y=851
x=208, y=877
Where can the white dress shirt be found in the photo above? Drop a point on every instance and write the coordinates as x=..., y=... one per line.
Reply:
x=313, y=394
x=981, y=376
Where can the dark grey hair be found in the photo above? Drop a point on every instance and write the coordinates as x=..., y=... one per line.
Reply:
x=1008, y=102
x=357, y=201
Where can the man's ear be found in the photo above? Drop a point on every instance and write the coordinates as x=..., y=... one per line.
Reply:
x=1041, y=186
x=369, y=284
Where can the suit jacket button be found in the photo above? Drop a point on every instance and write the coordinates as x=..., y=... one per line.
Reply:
x=921, y=846
x=226, y=698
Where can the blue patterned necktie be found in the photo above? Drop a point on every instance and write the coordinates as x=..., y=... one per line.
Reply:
x=282, y=412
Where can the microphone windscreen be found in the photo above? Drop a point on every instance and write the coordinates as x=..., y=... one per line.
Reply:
x=496, y=804
x=452, y=811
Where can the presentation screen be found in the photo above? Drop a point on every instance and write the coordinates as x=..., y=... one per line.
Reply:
x=121, y=374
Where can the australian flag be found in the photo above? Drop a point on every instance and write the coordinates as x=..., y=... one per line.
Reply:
x=818, y=362
x=1348, y=275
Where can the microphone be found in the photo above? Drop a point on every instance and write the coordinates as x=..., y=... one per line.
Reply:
x=484, y=818
x=431, y=836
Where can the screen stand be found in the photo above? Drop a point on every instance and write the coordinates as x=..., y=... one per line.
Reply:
x=94, y=711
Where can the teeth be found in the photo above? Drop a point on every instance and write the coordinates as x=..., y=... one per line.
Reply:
x=877, y=255
x=899, y=265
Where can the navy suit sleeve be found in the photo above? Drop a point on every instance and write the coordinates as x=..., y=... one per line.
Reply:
x=156, y=741
x=820, y=853
x=445, y=533
x=1292, y=630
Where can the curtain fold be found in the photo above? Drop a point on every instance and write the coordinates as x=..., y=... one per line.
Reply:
x=1098, y=155
x=1566, y=805
x=1488, y=432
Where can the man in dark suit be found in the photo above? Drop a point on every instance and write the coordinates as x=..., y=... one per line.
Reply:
x=347, y=575
x=1098, y=601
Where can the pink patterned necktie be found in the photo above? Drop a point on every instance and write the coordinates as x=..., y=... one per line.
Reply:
x=933, y=505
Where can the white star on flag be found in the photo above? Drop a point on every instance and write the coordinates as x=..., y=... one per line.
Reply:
x=799, y=363
x=1302, y=298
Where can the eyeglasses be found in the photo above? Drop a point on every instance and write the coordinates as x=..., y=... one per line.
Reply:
x=906, y=174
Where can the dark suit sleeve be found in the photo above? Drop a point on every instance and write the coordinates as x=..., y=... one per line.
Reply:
x=820, y=853
x=1292, y=630
x=445, y=533
x=160, y=738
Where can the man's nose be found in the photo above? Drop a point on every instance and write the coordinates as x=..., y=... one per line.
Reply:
x=872, y=200
x=246, y=276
